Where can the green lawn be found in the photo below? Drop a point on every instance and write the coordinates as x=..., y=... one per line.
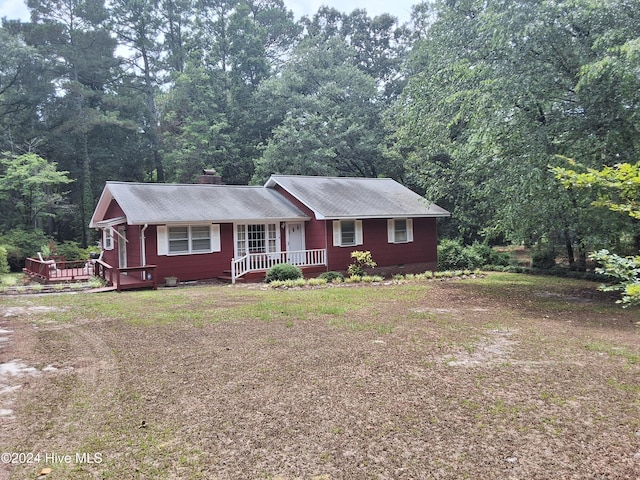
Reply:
x=507, y=376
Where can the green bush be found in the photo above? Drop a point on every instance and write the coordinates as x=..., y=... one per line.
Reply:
x=283, y=271
x=485, y=255
x=332, y=277
x=361, y=260
x=4, y=264
x=543, y=257
x=73, y=251
x=626, y=271
x=21, y=244
x=453, y=255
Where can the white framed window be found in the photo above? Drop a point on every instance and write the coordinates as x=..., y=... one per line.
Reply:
x=107, y=239
x=257, y=238
x=188, y=239
x=347, y=233
x=400, y=230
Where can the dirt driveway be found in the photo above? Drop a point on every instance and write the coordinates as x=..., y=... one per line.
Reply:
x=472, y=379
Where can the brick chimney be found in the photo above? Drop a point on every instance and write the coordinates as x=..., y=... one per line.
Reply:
x=209, y=177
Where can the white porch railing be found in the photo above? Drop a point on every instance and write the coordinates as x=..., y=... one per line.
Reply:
x=253, y=262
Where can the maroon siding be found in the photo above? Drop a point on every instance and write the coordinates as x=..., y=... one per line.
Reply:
x=111, y=256
x=390, y=257
x=417, y=256
x=191, y=267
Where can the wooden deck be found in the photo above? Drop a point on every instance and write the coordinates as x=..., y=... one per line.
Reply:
x=61, y=271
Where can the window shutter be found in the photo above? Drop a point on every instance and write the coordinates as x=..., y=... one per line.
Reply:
x=409, y=230
x=391, y=230
x=358, y=232
x=163, y=240
x=337, y=237
x=215, y=238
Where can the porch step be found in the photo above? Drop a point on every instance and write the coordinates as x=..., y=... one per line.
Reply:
x=227, y=277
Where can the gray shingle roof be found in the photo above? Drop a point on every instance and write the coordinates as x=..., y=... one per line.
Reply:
x=346, y=197
x=159, y=203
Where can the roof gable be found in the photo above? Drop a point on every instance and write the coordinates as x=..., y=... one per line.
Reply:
x=348, y=197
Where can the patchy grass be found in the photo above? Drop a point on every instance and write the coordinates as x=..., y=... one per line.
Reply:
x=508, y=376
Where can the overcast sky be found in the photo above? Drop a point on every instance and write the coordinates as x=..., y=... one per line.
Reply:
x=13, y=9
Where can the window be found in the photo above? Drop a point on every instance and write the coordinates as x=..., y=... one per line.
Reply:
x=178, y=239
x=400, y=230
x=256, y=238
x=201, y=238
x=107, y=239
x=188, y=239
x=347, y=233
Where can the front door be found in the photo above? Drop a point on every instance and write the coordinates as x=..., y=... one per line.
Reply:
x=122, y=246
x=295, y=243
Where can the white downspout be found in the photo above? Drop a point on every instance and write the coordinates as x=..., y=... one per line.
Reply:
x=143, y=251
x=142, y=241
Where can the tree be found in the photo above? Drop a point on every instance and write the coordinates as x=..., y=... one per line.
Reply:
x=618, y=189
x=195, y=132
x=24, y=86
x=328, y=116
x=138, y=25
x=30, y=189
x=617, y=186
x=74, y=36
x=494, y=96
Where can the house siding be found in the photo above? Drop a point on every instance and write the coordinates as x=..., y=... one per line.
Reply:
x=390, y=257
x=412, y=257
x=191, y=267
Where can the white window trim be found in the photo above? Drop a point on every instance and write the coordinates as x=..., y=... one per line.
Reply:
x=266, y=232
x=107, y=239
x=391, y=230
x=337, y=233
x=163, y=239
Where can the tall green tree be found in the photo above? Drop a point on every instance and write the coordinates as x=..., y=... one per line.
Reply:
x=379, y=44
x=233, y=46
x=138, y=26
x=31, y=189
x=328, y=114
x=24, y=87
x=74, y=35
x=494, y=96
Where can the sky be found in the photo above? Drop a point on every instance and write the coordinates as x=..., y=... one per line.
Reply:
x=14, y=9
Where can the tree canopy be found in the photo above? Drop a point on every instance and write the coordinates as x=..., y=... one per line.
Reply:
x=469, y=104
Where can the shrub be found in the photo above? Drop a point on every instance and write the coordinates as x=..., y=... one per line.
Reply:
x=283, y=271
x=21, y=244
x=332, y=277
x=361, y=260
x=4, y=264
x=72, y=251
x=372, y=278
x=543, y=257
x=485, y=255
x=453, y=255
x=626, y=270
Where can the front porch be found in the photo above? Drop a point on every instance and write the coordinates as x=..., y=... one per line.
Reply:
x=253, y=263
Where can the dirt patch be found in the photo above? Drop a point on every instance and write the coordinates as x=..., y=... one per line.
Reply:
x=436, y=381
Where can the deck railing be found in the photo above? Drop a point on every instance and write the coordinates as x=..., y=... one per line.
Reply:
x=254, y=262
x=127, y=277
x=58, y=269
